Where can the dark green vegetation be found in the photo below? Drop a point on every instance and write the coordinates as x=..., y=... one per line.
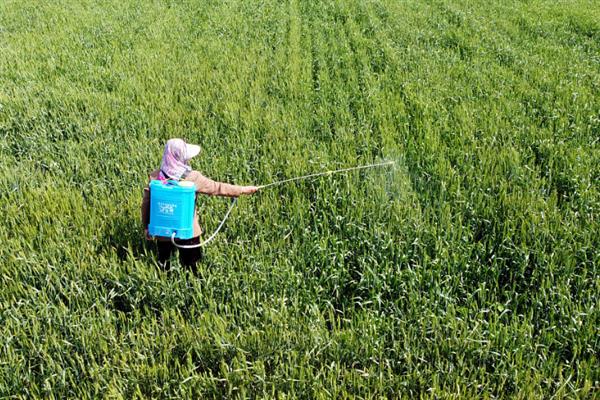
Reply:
x=470, y=270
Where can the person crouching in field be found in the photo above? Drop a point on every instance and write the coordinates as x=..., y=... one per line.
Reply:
x=175, y=165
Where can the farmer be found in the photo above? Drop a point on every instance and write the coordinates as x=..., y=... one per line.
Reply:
x=175, y=165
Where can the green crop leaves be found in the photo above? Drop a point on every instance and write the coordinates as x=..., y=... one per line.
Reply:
x=468, y=270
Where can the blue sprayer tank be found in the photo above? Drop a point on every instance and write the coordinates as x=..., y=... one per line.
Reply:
x=172, y=209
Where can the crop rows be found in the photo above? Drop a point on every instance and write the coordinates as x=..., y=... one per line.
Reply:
x=469, y=270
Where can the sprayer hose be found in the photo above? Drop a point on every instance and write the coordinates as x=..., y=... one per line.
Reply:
x=326, y=173
x=211, y=237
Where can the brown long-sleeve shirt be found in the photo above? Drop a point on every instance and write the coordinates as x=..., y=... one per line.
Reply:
x=203, y=184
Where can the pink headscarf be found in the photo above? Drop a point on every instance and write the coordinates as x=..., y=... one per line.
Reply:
x=174, y=164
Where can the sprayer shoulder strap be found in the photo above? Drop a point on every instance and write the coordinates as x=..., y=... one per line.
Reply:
x=183, y=176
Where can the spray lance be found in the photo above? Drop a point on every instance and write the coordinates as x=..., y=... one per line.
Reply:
x=265, y=186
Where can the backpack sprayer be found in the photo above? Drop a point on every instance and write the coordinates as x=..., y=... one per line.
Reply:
x=172, y=208
x=172, y=205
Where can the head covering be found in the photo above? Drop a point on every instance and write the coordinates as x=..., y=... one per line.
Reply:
x=175, y=159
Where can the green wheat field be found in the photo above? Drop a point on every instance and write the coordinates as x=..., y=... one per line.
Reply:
x=468, y=270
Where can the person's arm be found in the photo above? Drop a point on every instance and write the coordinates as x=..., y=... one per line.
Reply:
x=146, y=211
x=146, y=208
x=210, y=187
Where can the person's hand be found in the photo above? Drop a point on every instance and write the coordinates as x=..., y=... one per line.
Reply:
x=248, y=190
x=148, y=237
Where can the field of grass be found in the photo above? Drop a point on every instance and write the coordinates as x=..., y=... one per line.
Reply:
x=470, y=270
